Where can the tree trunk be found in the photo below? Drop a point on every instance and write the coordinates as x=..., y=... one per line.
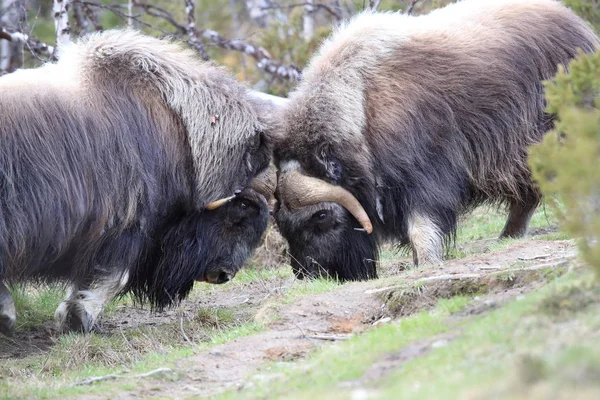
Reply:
x=11, y=52
x=61, y=23
x=308, y=20
x=258, y=13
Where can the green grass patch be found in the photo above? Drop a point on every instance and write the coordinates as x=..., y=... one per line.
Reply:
x=76, y=357
x=487, y=222
x=547, y=339
x=478, y=233
x=35, y=306
x=305, y=287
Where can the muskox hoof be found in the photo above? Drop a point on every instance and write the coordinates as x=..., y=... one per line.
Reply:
x=7, y=312
x=7, y=324
x=71, y=316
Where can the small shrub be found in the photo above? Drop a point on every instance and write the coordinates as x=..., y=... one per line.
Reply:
x=566, y=164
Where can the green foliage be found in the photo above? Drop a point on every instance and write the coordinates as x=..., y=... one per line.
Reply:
x=566, y=163
x=285, y=42
x=587, y=9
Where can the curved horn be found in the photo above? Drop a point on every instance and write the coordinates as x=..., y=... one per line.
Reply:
x=213, y=205
x=300, y=190
x=265, y=182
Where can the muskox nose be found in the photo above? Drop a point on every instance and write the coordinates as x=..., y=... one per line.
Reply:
x=218, y=277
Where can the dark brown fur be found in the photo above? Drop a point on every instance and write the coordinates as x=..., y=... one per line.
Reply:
x=108, y=158
x=423, y=118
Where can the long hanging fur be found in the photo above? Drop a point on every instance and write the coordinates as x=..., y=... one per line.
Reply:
x=123, y=139
x=430, y=115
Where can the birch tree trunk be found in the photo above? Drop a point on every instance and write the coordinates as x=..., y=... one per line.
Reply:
x=257, y=11
x=11, y=51
x=130, y=13
x=61, y=23
x=308, y=20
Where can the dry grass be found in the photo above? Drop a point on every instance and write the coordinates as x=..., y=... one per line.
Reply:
x=272, y=252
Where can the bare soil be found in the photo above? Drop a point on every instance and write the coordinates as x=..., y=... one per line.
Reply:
x=313, y=321
x=295, y=329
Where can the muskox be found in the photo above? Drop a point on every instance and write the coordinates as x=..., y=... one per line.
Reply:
x=128, y=166
x=403, y=123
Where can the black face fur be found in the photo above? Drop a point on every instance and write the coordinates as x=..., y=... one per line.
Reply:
x=213, y=243
x=325, y=240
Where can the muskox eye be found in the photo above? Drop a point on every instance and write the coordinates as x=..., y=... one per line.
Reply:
x=319, y=216
x=243, y=205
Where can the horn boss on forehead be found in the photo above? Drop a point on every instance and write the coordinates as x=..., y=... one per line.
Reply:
x=416, y=120
x=299, y=191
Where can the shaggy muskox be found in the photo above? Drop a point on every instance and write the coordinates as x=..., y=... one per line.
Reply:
x=128, y=166
x=403, y=123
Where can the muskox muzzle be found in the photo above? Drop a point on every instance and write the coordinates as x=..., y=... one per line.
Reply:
x=327, y=229
x=240, y=221
x=209, y=246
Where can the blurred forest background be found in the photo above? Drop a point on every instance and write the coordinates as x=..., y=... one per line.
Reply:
x=264, y=42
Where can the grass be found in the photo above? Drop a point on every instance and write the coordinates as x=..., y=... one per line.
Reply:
x=329, y=373
x=347, y=361
x=76, y=357
x=477, y=233
x=35, y=306
x=531, y=346
x=490, y=355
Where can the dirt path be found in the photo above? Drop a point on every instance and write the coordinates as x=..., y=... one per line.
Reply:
x=307, y=323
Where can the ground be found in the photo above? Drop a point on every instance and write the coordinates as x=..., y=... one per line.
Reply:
x=505, y=319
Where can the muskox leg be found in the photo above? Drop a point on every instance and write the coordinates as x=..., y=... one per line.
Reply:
x=83, y=305
x=7, y=311
x=519, y=215
x=426, y=240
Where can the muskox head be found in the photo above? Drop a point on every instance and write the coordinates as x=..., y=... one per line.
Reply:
x=232, y=228
x=327, y=229
x=325, y=191
x=209, y=246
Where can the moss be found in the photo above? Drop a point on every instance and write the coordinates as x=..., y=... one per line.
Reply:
x=563, y=304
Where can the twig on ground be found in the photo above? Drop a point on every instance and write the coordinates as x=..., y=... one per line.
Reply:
x=153, y=372
x=187, y=339
x=383, y=289
x=94, y=379
x=303, y=336
x=331, y=338
x=534, y=257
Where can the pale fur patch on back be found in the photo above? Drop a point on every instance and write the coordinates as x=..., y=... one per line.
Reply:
x=370, y=35
x=63, y=76
x=289, y=165
x=426, y=240
x=357, y=49
x=214, y=109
